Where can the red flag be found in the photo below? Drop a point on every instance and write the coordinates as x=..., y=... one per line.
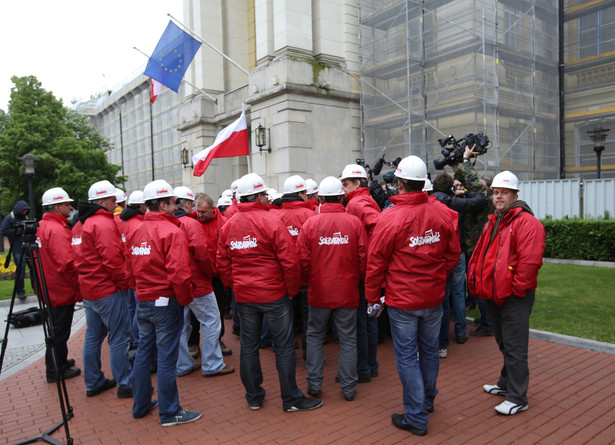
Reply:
x=231, y=141
x=156, y=89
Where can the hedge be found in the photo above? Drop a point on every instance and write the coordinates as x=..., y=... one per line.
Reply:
x=580, y=239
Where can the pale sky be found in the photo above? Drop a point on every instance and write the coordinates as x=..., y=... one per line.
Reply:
x=79, y=48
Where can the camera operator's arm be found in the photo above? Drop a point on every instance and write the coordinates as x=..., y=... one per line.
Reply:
x=471, y=178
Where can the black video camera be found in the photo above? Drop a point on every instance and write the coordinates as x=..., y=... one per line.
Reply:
x=28, y=228
x=453, y=149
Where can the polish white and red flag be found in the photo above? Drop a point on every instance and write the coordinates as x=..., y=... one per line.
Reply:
x=231, y=141
x=156, y=89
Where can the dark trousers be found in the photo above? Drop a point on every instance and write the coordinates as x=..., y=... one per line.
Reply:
x=511, y=327
x=62, y=322
x=222, y=298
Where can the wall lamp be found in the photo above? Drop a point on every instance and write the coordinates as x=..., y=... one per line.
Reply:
x=260, y=134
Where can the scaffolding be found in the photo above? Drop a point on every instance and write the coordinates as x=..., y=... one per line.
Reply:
x=431, y=68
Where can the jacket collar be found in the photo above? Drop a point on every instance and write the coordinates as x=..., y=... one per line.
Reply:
x=48, y=216
x=251, y=206
x=409, y=198
x=332, y=208
x=161, y=216
x=295, y=205
x=358, y=192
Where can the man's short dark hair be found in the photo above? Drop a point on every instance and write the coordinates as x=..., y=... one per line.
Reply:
x=412, y=186
x=153, y=205
x=251, y=198
x=330, y=199
x=443, y=183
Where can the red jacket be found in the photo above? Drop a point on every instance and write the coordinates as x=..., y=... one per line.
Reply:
x=362, y=205
x=294, y=214
x=211, y=229
x=333, y=250
x=126, y=227
x=257, y=256
x=412, y=250
x=101, y=262
x=313, y=204
x=506, y=260
x=159, y=259
x=232, y=209
x=54, y=239
x=200, y=261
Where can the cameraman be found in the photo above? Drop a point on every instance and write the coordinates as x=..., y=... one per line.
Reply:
x=15, y=236
x=463, y=204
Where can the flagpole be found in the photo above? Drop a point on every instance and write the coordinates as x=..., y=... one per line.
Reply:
x=184, y=80
x=247, y=73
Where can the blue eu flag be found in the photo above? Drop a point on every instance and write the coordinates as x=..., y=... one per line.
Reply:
x=172, y=56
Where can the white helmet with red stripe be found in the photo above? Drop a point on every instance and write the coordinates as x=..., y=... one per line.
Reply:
x=312, y=186
x=251, y=184
x=56, y=195
x=157, y=189
x=505, y=180
x=183, y=192
x=294, y=184
x=353, y=171
x=100, y=190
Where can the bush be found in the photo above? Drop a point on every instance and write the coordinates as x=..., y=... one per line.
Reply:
x=580, y=239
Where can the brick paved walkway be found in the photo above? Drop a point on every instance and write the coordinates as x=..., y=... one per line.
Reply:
x=572, y=401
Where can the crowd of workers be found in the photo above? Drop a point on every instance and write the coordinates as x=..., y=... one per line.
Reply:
x=326, y=256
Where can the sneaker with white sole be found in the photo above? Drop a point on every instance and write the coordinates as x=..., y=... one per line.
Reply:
x=494, y=390
x=510, y=408
x=443, y=353
x=304, y=404
x=183, y=416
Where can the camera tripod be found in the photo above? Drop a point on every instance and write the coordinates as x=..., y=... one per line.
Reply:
x=30, y=251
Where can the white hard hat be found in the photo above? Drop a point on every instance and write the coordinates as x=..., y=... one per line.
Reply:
x=251, y=184
x=183, y=192
x=136, y=197
x=235, y=184
x=428, y=186
x=228, y=193
x=224, y=201
x=505, y=180
x=331, y=186
x=56, y=195
x=312, y=186
x=272, y=194
x=100, y=190
x=157, y=189
x=120, y=195
x=294, y=184
x=411, y=168
x=353, y=171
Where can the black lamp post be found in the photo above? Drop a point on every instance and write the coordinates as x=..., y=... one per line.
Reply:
x=598, y=136
x=261, y=138
x=29, y=162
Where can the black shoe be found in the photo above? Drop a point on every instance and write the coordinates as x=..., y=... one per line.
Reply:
x=364, y=379
x=124, y=393
x=400, y=422
x=153, y=404
x=429, y=408
x=304, y=404
x=374, y=373
x=235, y=332
x=349, y=397
x=70, y=363
x=482, y=332
x=68, y=373
x=314, y=391
x=337, y=379
x=461, y=339
x=107, y=384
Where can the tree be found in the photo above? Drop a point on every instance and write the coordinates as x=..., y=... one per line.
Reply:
x=70, y=152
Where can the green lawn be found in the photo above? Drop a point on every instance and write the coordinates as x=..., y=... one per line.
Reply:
x=574, y=300
x=6, y=289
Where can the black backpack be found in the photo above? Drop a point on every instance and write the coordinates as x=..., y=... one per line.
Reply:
x=27, y=317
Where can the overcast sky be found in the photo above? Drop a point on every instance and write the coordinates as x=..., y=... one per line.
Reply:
x=79, y=48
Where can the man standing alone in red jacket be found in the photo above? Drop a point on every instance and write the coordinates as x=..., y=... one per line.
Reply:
x=413, y=248
x=259, y=260
x=504, y=272
x=54, y=238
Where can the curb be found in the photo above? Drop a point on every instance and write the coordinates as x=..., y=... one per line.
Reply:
x=608, y=264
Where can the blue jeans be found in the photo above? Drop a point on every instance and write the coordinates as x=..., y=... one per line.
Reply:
x=132, y=311
x=160, y=328
x=107, y=315
x=205, y=309
x=367, y=338
x=417, y=332
x=279, y=316
x=455, y=297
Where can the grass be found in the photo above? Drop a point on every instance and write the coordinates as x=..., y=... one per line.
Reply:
x=6, y=289
x=574, y=300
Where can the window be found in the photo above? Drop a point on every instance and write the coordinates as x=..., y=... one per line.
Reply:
x=597, y=33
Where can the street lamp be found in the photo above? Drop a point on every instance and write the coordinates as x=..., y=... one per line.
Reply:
x=261, y=139
x=29, y=162
x=185, y=158
x=598, y=136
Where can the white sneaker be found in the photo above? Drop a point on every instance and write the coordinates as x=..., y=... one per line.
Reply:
x=494, y=389
x=509, y=408
x=443, y=353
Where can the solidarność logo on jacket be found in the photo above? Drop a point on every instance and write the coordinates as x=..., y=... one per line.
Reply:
x=293, y=231
x=247, y=243
x=143, y=249
x=75, y=241
x=335, y=240
x=429, y=238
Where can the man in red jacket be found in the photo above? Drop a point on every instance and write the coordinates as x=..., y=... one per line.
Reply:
x=54, y=238
x=103, y=282
x=412, y=250
x=203, y=305
x=159, y=261
x=503, y=271
x=362, y=205
x=258, y=259
x=333, y=250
